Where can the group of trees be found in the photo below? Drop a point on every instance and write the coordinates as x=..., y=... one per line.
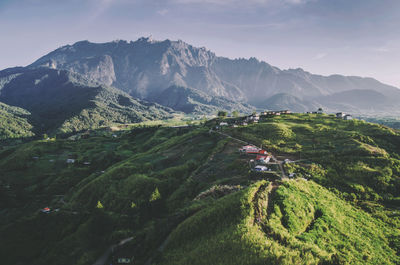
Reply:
x=224, y=114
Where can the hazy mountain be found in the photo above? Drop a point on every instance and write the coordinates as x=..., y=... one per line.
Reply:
x=353, y=100
x=59, y=100
x=146, y=68
x=191, y=100
x=283, y=100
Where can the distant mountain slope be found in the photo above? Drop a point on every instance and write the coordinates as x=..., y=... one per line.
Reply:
x=63, y=101
x=14, y=122
x=146, y=68
x=191, y=100
x=282, y=101
x=351, y=100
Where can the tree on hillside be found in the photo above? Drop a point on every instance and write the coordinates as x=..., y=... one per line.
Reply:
x=235, y=113
x=222, y=114
x=155, y=195
x=99, y=205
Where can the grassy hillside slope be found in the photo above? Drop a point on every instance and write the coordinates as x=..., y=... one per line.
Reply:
x=294, y=222
x=186, y=195
x=63, y=102
x=14, y=122
x=360, y=159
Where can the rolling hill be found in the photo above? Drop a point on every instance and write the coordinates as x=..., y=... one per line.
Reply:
x=186, y=195
x=61, y=102
x=14, y=122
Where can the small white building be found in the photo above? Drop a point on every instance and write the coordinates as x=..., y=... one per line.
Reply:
x=260, y=168
x=253, y=118
x=348, y=117
x=340, y=115
x=70, y=161
x=223, y=124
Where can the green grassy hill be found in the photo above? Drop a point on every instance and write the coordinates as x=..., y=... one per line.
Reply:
x=63, y=102
x=186, y=196
x=294, y=222
x=360, y=159
x=14, y=122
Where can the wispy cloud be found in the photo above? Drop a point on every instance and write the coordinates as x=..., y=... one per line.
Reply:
x=163, y=12
x=320, y=56
x=384, y=48
x=100, y=7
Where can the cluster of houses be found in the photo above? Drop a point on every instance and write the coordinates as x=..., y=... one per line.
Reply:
x=319, y=111
x=262, y=157
x=254, y=118
x=340, y=115
x=275, y=113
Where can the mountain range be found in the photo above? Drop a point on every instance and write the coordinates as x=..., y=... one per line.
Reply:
x=124, y=81
x=146, y=68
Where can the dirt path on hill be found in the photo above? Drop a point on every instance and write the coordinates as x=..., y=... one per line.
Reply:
x=271, y=195
x=268, y=202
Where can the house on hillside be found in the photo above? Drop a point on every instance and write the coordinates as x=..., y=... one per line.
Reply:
x=249, y=149
x=340, y=115
x=348, y=117
x=260, y=168
x=45, y=210
x=254, y=118
x=70, y=161
x=223, y=124
x=262, y=152
x=263, y=159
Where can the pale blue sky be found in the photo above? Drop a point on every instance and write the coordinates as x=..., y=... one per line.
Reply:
x=351, y=37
